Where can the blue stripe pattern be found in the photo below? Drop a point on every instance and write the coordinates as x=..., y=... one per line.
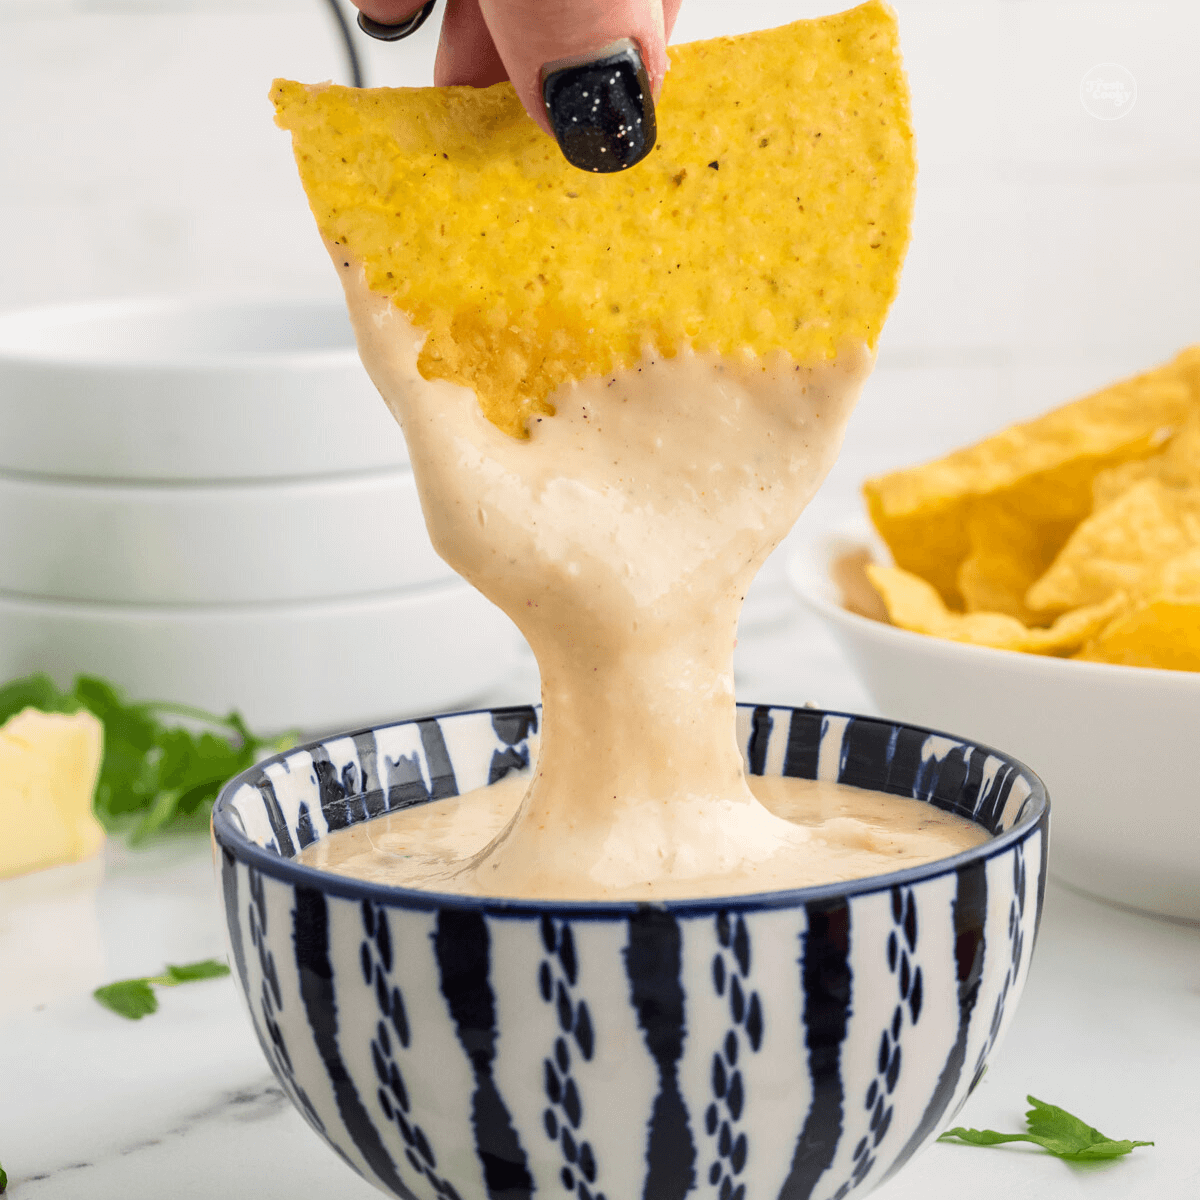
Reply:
x=440, y=1067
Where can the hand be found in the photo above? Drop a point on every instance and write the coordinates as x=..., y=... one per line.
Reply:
x=556, y=52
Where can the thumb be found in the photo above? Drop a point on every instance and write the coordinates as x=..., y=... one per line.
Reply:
x=586, y=71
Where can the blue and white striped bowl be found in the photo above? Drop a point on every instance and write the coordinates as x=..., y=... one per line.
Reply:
x=785, y=1045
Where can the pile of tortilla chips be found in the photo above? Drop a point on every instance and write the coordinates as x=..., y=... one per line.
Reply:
x=772, y=215
x=1077, y=534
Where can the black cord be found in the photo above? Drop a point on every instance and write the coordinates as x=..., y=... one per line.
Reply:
x=356, y=75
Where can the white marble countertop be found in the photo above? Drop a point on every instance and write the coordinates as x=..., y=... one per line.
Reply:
x=182, y=1104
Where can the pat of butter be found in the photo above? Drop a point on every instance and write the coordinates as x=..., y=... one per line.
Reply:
x=48, y=768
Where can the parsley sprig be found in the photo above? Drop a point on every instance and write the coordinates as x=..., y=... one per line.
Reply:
x=135, y=998
x=3, y=1178
x=1055, y=1130
x=155, y=776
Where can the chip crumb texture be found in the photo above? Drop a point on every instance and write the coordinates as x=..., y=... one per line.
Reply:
x=773, y=213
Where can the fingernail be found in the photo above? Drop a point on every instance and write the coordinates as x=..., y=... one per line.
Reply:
x=600, y=107
x=394, y=33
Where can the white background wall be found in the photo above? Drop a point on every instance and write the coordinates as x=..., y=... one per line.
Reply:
x=1052, y=251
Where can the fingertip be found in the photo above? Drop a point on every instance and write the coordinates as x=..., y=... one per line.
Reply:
x=466, y=53
x=537, y=41
x=388, y=12
x=670, y=15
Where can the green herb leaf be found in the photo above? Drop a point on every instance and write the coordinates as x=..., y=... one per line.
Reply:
x=3, y=1178
x=35, y=691
x=131, y=998
x=1054, y=1129
x=128, y=780
x=135, y=998
x=209, y=968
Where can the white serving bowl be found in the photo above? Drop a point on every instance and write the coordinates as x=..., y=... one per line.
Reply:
x=220, y=543
x=177, y=389
x=207, y=502
x=314, y=666
x=1114, y=744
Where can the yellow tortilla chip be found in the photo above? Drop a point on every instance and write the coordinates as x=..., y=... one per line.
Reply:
x=1008, y=553
x=1177, y=466
x=1178, y=579
x=914, y=604
x=1163, y=629
x=1116, y=547
x=1157, y=633
x=1042, y=470
x=1114, y=482
x=772, y=215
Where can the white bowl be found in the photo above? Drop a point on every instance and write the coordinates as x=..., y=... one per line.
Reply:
x=189, y=389
x=316, y=666
x=224, y=543
x=1114, y=744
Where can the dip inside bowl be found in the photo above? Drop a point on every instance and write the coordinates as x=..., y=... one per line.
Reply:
x=785, y=1044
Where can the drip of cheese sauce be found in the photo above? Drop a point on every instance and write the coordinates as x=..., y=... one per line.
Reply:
x=621, y=537
x=851, y=833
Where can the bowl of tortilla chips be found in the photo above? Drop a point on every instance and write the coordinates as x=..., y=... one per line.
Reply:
x=1041, y=591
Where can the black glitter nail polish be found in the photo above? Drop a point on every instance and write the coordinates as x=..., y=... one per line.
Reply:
x=395, y=33
x=601, y=109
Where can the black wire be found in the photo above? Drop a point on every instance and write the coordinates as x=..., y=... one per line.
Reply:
x=356, y=75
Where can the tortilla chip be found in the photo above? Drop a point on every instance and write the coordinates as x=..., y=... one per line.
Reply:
x=1041, y=470
x=1116, y=547
x=1163, y=629
x=1157, y=633
x=772, y=215
x=914, y=604
x=1008, y=553
x=1177, y=466
x=1178, y=579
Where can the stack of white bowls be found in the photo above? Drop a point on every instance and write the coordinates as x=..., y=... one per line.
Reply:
x=207, y=502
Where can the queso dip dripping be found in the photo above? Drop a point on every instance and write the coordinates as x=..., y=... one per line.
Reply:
x=621, y=537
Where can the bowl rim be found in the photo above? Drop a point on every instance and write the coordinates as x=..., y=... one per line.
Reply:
x=132, y=612
x=229, y=838
x=807, y=571
x=51, y=316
